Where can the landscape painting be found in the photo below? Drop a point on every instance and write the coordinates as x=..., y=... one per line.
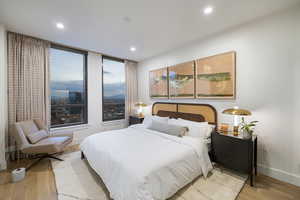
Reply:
x=159, y=83
x=181, y=80
x=215, y=76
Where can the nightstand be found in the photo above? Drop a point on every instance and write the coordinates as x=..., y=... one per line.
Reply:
x=236, y=153
x=135, y=120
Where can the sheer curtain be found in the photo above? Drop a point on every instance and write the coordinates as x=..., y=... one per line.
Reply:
x=28, y=80
x=131, y=86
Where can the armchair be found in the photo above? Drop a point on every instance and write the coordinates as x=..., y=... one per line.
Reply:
x=44, y=148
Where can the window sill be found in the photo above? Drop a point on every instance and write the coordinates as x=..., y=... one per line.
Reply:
x=114, y=122
x=74, y=128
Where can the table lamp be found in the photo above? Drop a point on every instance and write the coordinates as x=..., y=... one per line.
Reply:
x=236, y=111
x=140, y=106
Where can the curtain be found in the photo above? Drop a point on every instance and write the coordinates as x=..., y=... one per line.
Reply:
x=28, y=81
x=131, y=86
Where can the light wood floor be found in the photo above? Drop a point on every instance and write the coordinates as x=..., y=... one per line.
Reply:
x=39, y=185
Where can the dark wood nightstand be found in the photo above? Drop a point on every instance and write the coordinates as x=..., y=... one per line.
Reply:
x=135, y=120
x=234, y=152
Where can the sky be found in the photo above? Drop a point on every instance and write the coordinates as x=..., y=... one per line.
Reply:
x=68, y=66
x=66, y=73
x=65, y=65
x=113, y=71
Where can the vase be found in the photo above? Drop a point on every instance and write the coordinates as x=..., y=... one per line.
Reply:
x=246, y=134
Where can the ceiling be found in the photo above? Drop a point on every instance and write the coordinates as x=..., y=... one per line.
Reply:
x=113, y=26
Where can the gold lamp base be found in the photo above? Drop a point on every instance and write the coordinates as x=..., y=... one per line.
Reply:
x=235, y=130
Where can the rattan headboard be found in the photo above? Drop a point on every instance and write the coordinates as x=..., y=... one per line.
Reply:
x=188, y=111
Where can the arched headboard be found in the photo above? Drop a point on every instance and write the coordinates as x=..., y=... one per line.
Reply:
x=188, y=111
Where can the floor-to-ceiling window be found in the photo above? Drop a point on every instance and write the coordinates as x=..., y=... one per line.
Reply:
x=68, y=84
x=113, y=82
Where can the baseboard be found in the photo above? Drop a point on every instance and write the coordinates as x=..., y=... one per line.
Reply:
x=279, y=174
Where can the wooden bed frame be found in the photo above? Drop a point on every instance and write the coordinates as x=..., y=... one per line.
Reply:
x=187, y=111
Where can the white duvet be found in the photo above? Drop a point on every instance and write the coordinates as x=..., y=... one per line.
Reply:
x=140, y=164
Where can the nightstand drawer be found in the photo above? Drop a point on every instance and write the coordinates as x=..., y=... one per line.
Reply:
x=233, y=153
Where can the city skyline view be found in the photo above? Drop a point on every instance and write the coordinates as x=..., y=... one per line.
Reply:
x=68, y=96
x=113, y=90
x=68, y=88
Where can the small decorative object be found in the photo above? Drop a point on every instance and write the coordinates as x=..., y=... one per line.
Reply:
x=247, y=128
x=18, y=174
x=224, y=128
x=236, y=112
x=140, y=106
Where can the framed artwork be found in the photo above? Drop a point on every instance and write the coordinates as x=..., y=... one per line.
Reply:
x=182, y=80
x=215, y=76
x=158, y=80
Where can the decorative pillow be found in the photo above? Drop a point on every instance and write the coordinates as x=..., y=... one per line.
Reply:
x=149, y=118
x=29, y=127
x=197, y=129
x=37, y=136
x=169, y=129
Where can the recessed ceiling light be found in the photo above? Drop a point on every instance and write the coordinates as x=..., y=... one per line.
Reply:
x=208, y=10
x=60, y=25
x=133, y=49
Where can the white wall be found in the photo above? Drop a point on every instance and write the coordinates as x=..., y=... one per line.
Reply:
x=266, y=57
x=95, y=123
x=296, y=104
x=3, y=96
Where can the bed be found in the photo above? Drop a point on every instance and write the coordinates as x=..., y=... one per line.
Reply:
x=137, y=163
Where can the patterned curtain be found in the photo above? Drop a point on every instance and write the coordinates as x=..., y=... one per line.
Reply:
x=28, y=81
x=131, y=86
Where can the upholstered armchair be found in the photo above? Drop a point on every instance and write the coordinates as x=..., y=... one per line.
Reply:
x=33, y=138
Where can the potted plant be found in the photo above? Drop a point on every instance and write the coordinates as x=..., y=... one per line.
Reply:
x=247, y=128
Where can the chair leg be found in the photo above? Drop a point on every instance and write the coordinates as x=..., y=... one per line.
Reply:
x=50, y=156
x=36, y=162
x=82, y=156
x=41, y=158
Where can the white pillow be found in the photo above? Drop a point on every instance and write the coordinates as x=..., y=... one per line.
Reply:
x=197, y=129
x=192, y=122
x=148, y=120
x=173, y=121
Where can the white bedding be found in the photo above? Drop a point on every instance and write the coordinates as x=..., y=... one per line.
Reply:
x=141, y=164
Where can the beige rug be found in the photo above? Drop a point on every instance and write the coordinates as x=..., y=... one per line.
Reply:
x=76, y=180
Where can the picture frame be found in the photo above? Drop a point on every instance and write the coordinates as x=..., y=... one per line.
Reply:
x=216, y=76
x=158, y=83
x=182, y=80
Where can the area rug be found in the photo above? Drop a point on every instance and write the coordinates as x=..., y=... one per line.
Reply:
x=76, y=180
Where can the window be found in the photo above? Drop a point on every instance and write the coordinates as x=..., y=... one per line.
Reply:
x=113, y=82
x=68, y=86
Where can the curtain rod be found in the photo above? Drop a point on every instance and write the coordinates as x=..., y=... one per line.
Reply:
x=72, y=47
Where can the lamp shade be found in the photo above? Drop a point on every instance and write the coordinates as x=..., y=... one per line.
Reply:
x=140, y=104
x=237, y=111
